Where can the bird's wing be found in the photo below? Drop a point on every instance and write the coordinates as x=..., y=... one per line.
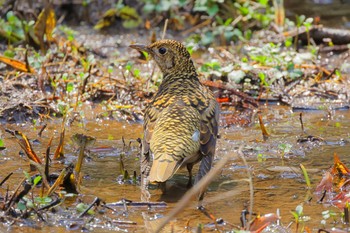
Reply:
x=208, y=135
x=146, y=156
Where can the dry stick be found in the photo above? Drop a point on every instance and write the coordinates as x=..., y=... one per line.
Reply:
x=301, y=122
x=6, y=178
x=202, y=24
x=42, y=129
x=264, y=132
x=240, y=94
x=195, y=190
x=9, y=204
x=96, y=201
x=164, y=29
x=58, y=181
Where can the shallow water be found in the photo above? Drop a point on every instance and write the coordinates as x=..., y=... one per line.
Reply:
x=274, y=188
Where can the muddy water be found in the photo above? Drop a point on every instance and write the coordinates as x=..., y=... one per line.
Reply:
x=333, y=13
x=273, y=188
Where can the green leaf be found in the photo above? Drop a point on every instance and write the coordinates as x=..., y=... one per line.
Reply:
x=36, y=180
x=228, y=21
x=43, y=200
x=81, y=207
x=337, y=72
x=130, y=16
x=285, y=147
x=2, y=144
x=137, y=73
x=295, y=215
x=288, y=42
x=70, y=87
x=299, y=210
x=296, y=73
x=309, y=21
x=128, y=66
x=213, y=10
x=21, y=206
x=263, y=2
x=30, y=204
x=27, y=176
x=129, y=24
x=306, y=176
x=9, y=53
x=236, y=76
x=207, y=38
x=110, y=69
x=190, y=49
x=263, y=79
x=261, y=157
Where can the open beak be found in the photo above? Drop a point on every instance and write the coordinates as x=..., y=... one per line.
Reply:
x=141, y=48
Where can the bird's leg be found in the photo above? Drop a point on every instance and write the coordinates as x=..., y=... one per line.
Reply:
x=145, y=194
x=204, y=168
x=145, y=169
x=189, y=169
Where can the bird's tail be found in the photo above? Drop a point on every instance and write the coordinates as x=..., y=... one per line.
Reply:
x=163, y=169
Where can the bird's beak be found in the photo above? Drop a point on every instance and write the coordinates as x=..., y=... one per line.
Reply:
x=141, y=48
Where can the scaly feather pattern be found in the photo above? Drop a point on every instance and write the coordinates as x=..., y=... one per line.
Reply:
x=181, y=122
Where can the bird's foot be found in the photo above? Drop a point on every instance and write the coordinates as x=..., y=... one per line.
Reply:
x=145, y=195
x=189, y=184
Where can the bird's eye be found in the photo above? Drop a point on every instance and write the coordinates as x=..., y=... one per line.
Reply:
x=162, y=50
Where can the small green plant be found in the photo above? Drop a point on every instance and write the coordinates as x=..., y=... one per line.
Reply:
x=285, y=148
x=70, y=87
x=306, y=176
x=129, y=16
x=261, y=158
x=12, y=28
x=42, y=200
x=81, y=207
x=262, y=78
x=63, y=108
x=162, y=6
x=307, y=23
x=70, y=33
x=213, y=65
x=328, y=214
x=297, y=214
x=211, y=7
x=300, y=218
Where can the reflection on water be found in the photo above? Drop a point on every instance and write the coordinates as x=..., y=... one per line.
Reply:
x=228, y=195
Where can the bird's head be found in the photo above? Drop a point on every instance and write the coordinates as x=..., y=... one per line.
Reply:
x=171, y=56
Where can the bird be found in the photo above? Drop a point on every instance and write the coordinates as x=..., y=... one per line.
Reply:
x=181, y=121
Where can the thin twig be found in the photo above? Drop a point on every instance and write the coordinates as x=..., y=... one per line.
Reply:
x=301, y=122
x=6, y=178
x=96, y=201
x=164, y=29
x=250, y=181
x=202, y=24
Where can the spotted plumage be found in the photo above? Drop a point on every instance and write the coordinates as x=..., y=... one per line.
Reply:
x=181, y=122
